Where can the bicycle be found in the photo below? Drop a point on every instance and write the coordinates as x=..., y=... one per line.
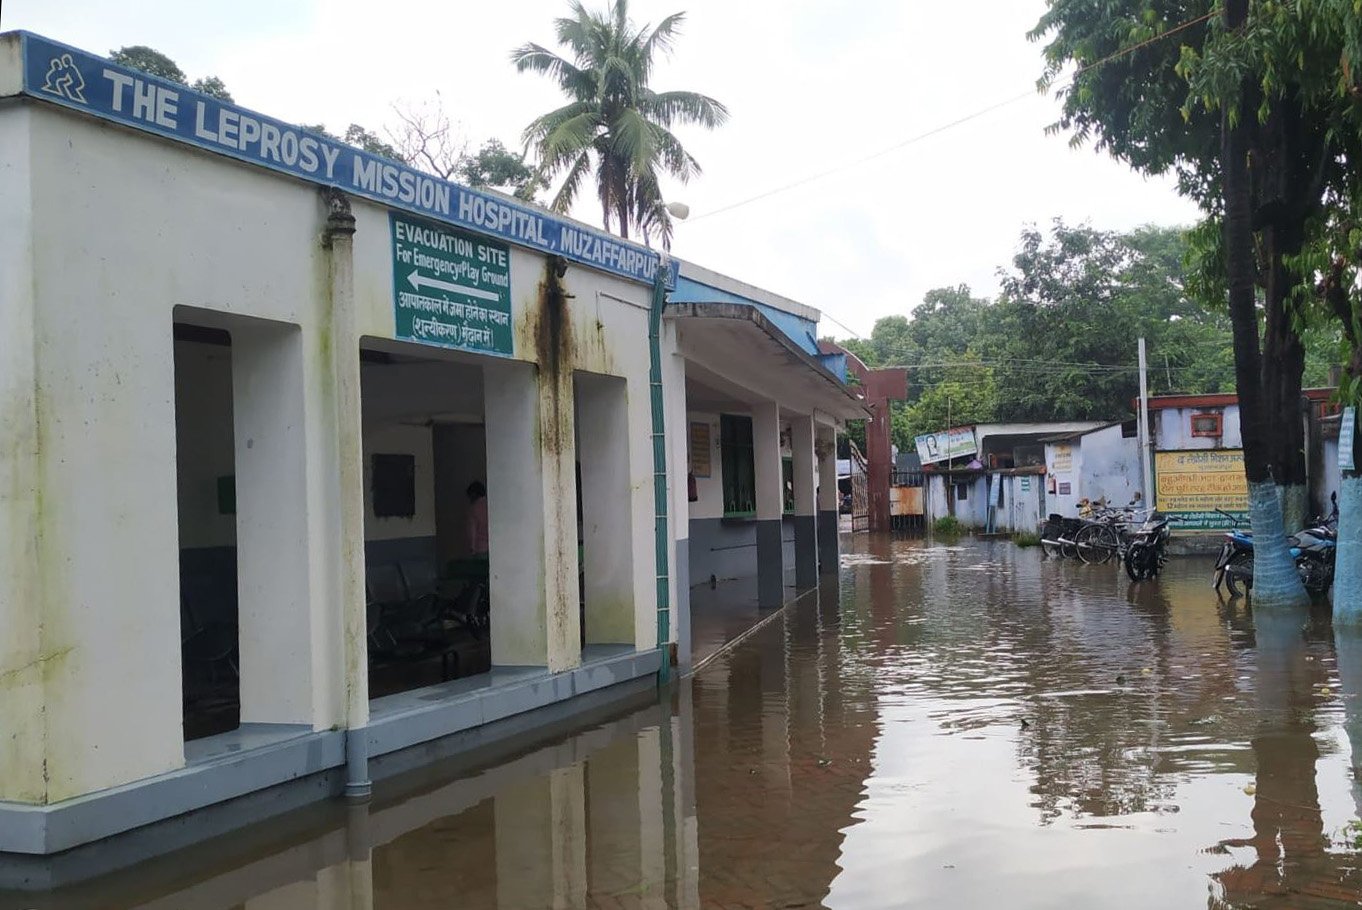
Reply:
x=1107, y=535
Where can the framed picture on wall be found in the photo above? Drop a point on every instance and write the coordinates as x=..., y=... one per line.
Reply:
x=700, y=449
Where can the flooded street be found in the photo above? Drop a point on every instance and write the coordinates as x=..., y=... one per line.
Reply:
x=948, y=726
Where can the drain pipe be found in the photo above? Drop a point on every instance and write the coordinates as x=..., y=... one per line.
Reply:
x=660, y=467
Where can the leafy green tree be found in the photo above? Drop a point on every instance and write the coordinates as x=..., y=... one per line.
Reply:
x=1143, y=66
x=214, y=87
x=967, y=395
x=150, y=60
x=614, y=127
x=370, y=142
x=495, y=166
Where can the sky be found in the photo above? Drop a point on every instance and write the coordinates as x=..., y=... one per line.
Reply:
x=809, y=86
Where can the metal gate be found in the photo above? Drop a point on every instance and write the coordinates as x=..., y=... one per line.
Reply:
x=860, y=491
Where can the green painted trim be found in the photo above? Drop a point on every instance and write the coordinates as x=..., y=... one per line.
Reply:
x=660, y=471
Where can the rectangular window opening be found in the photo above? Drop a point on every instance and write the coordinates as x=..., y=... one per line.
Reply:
x=1207, y=425
x=738, y=464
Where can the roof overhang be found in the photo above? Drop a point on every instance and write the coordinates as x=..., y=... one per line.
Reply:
x=736, y=350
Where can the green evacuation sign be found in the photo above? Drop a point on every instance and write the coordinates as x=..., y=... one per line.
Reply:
x=451, y=288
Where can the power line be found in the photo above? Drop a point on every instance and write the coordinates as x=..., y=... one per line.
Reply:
x=948, y=126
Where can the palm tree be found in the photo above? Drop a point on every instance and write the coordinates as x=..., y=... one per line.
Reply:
x=613, y=122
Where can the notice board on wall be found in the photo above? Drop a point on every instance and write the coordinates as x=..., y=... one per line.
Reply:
x=1193, y=484
x=701, y=448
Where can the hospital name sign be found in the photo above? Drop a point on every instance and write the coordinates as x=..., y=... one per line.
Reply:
x=56, y=73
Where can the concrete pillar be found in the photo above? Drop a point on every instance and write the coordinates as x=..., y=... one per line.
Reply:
x=532, y=525
x=828, y=500
x=805, y=522
x=607, y=509
x=341, y=652
x=678, y=432
x=274, y=547
x=23, y=749
x=90, y=681
x=770, y=478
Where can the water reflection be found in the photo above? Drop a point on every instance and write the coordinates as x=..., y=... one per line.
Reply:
x=967, y=725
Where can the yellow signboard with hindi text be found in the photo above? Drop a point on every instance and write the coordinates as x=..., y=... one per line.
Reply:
x=1192, y=485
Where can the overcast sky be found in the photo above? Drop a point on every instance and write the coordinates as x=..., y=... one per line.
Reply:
x=809, y=84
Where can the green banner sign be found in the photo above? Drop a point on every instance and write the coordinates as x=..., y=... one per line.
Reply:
x=451, y=288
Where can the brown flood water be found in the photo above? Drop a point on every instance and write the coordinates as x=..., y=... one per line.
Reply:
x=946, y=726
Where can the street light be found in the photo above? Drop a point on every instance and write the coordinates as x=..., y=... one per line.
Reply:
x=678, y=210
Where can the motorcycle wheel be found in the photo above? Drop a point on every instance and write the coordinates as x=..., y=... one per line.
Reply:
x=1136, y=557
x=1316, y=575
x=1239, y=574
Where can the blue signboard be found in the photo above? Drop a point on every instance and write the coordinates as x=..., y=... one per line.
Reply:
x=66, y=76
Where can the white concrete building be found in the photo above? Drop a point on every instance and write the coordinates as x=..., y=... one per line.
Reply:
x=248, y=376
x=1098, y=464
x=1001, y=485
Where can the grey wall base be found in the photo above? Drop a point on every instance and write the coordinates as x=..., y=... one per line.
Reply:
x=806, y=551
x=770, y=564
x=828, y=551
x=727, y=548
x=681, y=609
x=216, y=793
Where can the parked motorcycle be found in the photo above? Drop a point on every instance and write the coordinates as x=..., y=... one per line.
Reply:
x=1313, y=550
x=1234, y=565
x=1147, y=550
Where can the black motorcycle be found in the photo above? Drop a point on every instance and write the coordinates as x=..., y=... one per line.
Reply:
x=1147, y=550
x=1312, y=548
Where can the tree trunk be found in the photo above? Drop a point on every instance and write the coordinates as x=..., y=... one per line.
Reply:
x=1283, y=369
x=1284, y=162
x=622, y=197
x=1275, y=579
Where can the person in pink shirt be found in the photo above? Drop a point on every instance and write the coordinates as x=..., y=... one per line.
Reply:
x=477, y=519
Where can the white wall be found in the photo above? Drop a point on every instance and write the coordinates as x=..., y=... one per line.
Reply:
x=1021, y=508
x=1174, y=429
x=710, y=490
x=1064, y=504
x=1110, y=466
x=158, y=226
x=1332, y=474
x=399, y=439
x=396, y=399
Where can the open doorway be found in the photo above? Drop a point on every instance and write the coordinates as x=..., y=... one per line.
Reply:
x=206, y=486
x=425, y=525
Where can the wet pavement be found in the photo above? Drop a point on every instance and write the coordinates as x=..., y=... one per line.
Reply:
x=944, y=726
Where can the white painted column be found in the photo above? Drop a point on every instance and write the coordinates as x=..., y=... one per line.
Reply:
x=805, y=522
x=607, y=508
x=274, y=552
x=770, y=505
x=829, y=497
x=532, y=524
x=22, y=658
x=678, y=469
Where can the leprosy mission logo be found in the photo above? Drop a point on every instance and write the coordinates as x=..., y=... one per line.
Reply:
x=64, y=79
